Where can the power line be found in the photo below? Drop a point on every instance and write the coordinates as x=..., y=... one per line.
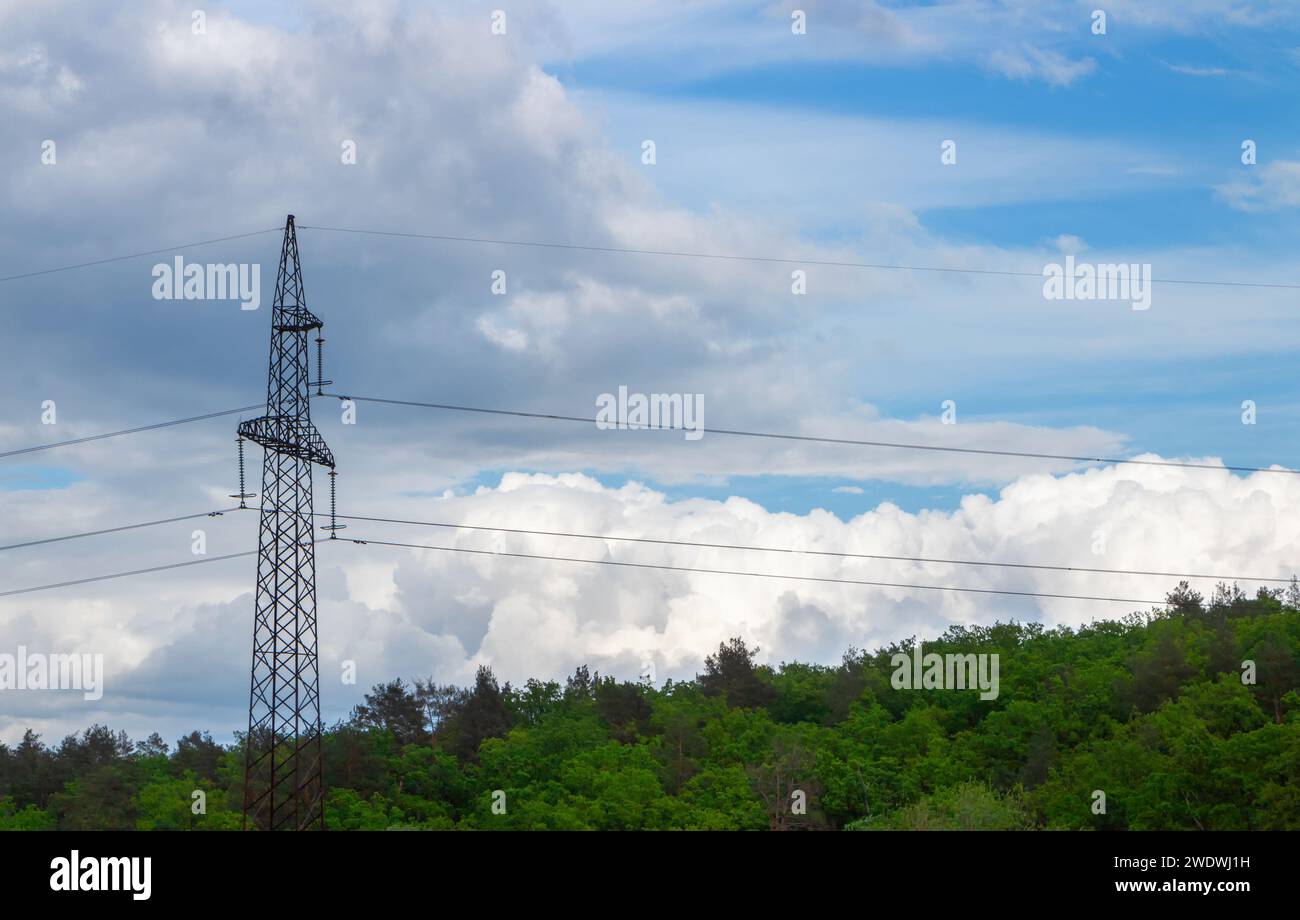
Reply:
x=118, y=529
x=133, y=572
x=782, y=260
x=838, y=581
x=136, y=255
x=156, y=568
x=587, y=420
x=114, y=434
x=665, y=542
x=825, y=440
x=625, y=250
x=805, y=552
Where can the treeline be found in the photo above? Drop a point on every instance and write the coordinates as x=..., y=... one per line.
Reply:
x=1188, y=717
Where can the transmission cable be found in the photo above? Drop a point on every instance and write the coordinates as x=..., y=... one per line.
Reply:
x=117, y=529
x=587, y=420
x=781, y=260
x=138, y=255
x=156, y=568
x=113, y=434
x=691, y=569
x=805, y=552
x=133, y=572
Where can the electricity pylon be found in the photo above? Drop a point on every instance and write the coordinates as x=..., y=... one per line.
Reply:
x=283, y=787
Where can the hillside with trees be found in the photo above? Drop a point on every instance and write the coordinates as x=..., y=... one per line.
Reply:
x=1182, y=718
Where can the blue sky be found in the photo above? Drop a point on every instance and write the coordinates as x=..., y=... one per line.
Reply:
x=1190, y=99
x=1184, y=103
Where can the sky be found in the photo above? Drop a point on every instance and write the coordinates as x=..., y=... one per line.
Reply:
x=1126, y=144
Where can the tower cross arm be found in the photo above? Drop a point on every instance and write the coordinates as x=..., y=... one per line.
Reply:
x=295, y=319
x=291, y=435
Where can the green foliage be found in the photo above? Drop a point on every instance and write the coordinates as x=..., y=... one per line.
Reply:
x=1150, y=711
x=28, y=818
x=963, y=807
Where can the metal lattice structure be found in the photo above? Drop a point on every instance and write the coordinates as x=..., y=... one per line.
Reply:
x=283, y=786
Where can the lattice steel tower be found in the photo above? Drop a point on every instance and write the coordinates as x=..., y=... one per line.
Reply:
x=283, y=788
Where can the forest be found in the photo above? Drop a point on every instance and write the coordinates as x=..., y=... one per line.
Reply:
x=1183, y=717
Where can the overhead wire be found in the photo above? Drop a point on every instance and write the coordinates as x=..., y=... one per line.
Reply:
x=898, y=445
x=747, y=574
x=732, y=257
